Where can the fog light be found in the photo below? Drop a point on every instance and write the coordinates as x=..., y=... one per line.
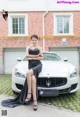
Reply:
x=41, y=92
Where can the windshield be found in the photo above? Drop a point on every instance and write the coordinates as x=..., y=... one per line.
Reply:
x=48, y=56
x=51, y=56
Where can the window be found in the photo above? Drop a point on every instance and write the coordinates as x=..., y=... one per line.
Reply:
x=63, y=24
x=18, y=24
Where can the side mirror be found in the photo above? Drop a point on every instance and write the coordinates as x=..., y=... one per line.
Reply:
x=65, y=59
x=19, y=59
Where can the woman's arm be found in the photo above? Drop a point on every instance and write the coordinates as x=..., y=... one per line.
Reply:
x=29, y=55
x=39, y=56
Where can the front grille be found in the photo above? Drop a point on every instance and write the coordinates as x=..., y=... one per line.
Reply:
x=51, y=82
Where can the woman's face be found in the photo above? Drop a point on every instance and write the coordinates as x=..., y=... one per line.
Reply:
x=34, y=41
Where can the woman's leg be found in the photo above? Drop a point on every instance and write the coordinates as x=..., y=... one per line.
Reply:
x=29, y=76
x=33, y=86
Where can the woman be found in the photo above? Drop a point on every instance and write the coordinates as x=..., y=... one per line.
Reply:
x=29, y=91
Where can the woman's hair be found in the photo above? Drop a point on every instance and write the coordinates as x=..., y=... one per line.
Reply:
x=34, y=36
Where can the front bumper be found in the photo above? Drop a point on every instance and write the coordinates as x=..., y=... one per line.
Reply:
x=55, y=92
x=71, y=86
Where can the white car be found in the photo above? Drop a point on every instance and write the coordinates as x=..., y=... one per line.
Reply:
x=57, y=76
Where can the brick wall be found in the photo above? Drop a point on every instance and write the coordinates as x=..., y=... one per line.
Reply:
x=3, y=26
x=35, y=26
x=76, y=24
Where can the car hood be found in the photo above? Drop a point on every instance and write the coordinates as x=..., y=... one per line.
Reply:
x=49, y=68
x=57, y=68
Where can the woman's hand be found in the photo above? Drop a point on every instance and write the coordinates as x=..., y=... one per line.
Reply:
x=30, y=58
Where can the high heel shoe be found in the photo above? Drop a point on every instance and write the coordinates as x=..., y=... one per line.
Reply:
x=35, y=107
x=28, y=101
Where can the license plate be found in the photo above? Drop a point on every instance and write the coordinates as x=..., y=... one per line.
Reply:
x=48, y=93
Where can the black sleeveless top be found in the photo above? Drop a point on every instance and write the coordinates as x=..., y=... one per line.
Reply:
x=33, y=63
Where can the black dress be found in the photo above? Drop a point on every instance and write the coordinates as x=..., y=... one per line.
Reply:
x=36, y=65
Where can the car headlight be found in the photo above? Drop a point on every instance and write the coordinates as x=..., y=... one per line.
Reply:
x=74, y=73
x=18, y=74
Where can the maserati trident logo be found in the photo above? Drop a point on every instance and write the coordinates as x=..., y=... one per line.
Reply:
x=48, y=83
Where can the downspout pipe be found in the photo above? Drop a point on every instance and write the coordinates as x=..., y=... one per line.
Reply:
x=43, y=29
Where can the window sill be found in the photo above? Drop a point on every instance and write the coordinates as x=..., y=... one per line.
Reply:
x=63, y=34
x=18, y=35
